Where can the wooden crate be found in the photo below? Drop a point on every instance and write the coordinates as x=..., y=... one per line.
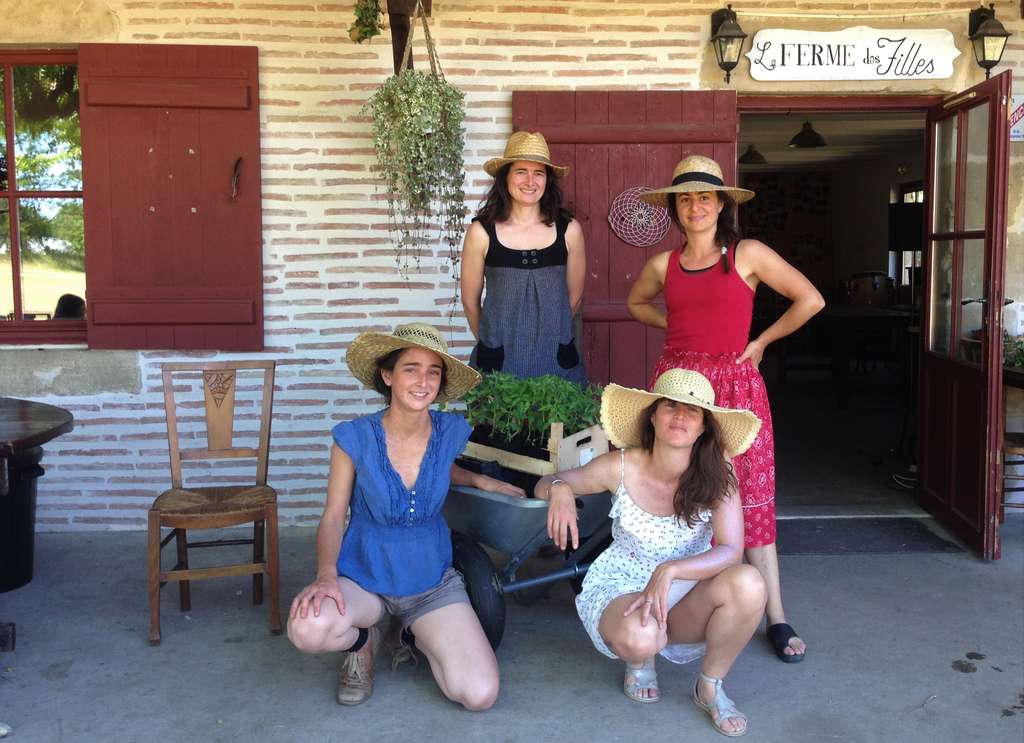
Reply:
x=564, y=452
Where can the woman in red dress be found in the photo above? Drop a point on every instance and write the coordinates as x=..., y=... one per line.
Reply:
x=708, y=285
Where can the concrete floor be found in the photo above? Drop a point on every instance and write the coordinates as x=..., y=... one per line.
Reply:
x=887, y=634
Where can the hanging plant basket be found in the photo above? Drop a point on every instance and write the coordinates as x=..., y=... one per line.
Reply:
x=418, y=134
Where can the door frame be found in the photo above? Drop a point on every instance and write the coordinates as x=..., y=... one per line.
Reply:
x=923, y=104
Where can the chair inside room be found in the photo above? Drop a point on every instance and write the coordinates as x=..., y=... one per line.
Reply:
x=184, y=508
x=1013, y=457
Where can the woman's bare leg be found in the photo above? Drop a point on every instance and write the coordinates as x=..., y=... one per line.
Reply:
x=766, y=559
x=724, y=612
x=632, y=641
x=460, y=657
x=333, y=631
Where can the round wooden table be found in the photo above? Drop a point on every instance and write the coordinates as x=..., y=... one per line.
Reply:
x=24, y=427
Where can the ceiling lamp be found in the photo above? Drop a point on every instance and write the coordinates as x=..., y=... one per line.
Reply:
x=988, y=37
x=806, y=138
x=727, y=38
x=752, y=157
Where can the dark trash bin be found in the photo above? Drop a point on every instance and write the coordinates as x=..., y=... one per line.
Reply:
x=18, y=518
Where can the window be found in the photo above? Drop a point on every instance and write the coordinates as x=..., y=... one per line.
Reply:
x=912, y=193
x=42, y=246
x=130, y=197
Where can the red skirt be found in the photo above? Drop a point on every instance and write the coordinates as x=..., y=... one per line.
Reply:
x=739, y=386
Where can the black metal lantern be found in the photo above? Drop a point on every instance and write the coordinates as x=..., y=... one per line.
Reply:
x=728, y=38
x=988, y=37
x=806, y=138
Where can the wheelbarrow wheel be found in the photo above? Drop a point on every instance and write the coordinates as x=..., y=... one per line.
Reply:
x=482, y=586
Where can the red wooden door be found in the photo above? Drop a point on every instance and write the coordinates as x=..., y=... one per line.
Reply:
x=171, y=165
x=613, y=141
x=962, y=349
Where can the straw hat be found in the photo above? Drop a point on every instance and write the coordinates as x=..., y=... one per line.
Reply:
x=530, y=146
x=694, y=174
x=622, y=410
x=368, y=348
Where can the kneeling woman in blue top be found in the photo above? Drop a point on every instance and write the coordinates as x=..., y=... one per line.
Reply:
x=394, y=468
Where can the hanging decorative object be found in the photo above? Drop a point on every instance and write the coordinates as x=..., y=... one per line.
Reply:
x=636, y=222
x=417, y=120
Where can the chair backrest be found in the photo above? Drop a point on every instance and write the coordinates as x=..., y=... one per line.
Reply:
x=218, y=380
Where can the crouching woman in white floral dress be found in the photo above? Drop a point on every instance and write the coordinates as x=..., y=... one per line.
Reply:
x=661, y=587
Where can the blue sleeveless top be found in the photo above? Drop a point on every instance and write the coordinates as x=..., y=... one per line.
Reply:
x=397, y=542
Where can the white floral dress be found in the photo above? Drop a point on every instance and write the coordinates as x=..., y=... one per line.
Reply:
x=641, y=542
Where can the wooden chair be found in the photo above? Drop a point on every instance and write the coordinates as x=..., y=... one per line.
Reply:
x=1013, y=446
x=216, y=507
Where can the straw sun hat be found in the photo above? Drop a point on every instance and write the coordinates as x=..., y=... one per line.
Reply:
x=622, y=410
x=694, y=174
x=368, y=348
x=530, y=146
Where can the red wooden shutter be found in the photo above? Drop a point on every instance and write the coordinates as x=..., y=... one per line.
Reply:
x=614, y=140
x=173, y=239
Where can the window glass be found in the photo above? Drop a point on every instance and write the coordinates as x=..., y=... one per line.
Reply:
x=3, y=135
x=47, y=136
x=945, y=175
x=972, y=297
x=941, y=310
x=976, y=187
x=6, y=281
x=52, y=257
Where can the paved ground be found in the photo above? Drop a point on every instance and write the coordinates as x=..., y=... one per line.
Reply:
x=910, y=647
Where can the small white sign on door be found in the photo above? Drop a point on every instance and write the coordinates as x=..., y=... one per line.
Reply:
x=1017, y=118
x=857, y=53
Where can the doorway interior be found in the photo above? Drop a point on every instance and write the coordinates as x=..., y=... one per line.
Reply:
x=848, y=213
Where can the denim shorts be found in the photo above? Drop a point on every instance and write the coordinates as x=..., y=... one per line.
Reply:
x=451, y=590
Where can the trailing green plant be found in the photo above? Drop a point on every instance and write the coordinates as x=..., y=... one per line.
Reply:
x=419, y=138
x=367, y=22
x=513, y=407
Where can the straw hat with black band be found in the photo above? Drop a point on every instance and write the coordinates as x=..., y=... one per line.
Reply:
x=694, y=174
x=529, y=146
x=622, y=410
x=368, y=348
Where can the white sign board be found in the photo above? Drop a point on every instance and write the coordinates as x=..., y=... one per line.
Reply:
x=858, y=53
x=1017, y=118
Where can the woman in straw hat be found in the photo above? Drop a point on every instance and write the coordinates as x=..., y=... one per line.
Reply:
x=528, y=251
x=661, y=587
x=708, y=285
x=393, y=468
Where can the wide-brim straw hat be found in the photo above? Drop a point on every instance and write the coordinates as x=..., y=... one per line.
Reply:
x=622, y=410
x=694, y=174
x=368, y=348
x=529, y=146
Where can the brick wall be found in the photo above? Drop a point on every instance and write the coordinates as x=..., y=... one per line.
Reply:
x=329, y=273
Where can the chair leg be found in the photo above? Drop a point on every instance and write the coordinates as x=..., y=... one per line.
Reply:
x=273, y=571
x=184, y=587
x=257, y=556
x=153, y=550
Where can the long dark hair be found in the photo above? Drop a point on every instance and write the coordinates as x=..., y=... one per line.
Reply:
x=727, y=232
x=497, y=204
x=708, y=478
x=389, y=362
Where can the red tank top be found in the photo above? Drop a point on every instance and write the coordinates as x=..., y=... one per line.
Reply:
x=709, y=311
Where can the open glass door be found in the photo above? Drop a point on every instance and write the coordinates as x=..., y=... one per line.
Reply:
x=960, y=419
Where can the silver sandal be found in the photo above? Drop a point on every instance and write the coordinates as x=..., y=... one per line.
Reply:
x=720, y=708
x=641, y=678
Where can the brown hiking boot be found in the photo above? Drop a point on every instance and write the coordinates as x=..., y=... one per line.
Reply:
x=356, y=683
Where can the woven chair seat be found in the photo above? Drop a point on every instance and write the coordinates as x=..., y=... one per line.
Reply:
x=214, y=501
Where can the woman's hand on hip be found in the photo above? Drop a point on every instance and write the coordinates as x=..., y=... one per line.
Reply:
x=653, y=600
x=753, y=353
x=315, y=593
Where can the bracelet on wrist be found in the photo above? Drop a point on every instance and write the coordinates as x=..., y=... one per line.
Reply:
x=552, y=484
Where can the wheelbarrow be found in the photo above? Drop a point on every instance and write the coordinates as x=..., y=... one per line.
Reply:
x=518, y=528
